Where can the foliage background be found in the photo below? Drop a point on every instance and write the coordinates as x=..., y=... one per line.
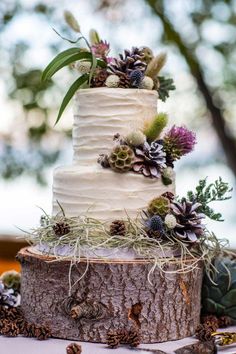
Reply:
x=200, y=38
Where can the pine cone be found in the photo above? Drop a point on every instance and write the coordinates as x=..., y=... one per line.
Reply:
x=14, y=313
x=203, y=333
x=124, y=81
x=117, y=227
x=114, y=337
x=29, y=330
x=224, y=321
x=3, y=312
x=74, y=348
x=130, y=61
x=9, y=328
x=61, y=228
x=21, y=323
x=42, y=332
x=134, y=338
x=210, y=321
x=99, y=78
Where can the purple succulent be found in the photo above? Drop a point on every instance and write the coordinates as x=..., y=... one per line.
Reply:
x=178, y=141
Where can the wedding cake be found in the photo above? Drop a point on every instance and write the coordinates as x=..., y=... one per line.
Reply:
x=120, y=259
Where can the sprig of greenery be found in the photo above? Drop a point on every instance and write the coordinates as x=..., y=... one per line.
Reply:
x=208, y=193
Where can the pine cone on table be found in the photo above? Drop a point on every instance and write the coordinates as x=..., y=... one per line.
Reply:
x=3, y=312
x=114, y=337
x=210, y=321
x=29, y=330
x=21, y=323
x=61, y=228
x=134, y=338
x=14, y=313
x=42, y=332
x=9, y=328
x=203, y=333
x=74, y=348
x=224, y=321
x=117, y=227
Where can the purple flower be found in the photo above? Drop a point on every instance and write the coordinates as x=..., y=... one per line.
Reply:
x=179, y=141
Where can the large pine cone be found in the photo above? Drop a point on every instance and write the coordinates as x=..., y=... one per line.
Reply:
x=129, y=61
x=189, y=226
x=74, y=348
x=61, y=228
x=117, y=227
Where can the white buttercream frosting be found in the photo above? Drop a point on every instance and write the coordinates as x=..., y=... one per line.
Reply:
x=86, y=187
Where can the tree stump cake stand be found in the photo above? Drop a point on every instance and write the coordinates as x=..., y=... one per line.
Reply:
x=109, y=295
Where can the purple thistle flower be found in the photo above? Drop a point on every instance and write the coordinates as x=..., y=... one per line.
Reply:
x=179, y=141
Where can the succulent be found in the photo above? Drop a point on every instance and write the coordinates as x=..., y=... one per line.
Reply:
x=147, y=83
x=130, y=61
x=189, y=226
x=155, y=126
x=150, y=160
x=219, y=296
x=112, y=81
x=159, y=206
x=121, y=158
x=136, y=77
x=135, y=138
x=178, y=141
x=147, y=54
x=170, y=221
x=11, y=280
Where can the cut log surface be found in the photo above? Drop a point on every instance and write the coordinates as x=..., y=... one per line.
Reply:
x=109, y=295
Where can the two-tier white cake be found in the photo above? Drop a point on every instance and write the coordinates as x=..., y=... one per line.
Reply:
x=85, y=187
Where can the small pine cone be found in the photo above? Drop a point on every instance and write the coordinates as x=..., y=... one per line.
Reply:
x=42, y=332
x=115, y=337
x=74, y=348
x=117, y=227
x=3, y=312
x=99, y=78
x=134, y=338
x=21, y=323
x=203, y=333
x=61, y=228
x=210, y=321
x=29, y=330
x=224, y=321
x=9, y=329
x=14, y=313
x=154, y=234
x=124, y=80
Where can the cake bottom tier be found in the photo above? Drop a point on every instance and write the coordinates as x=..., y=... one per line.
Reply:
x=102, y=193
x=109, y=295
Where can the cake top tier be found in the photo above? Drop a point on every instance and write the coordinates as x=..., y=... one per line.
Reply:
x=101, y=113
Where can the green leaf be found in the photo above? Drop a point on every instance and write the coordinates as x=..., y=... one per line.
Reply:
x=70, y=93
x=210, y=306
x=64, y=54
x=231, y=311
x=215, y=293
x=94, y=64
x=60, y=63
x=229, y=299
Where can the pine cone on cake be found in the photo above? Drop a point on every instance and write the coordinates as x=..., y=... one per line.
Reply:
x=124, y=80
x=150, y=160
x=188, y=225
x=61, y=228
x=129, y=61
x=99, y=78
x=74, y=348
x=117, y=227
x=121, y=158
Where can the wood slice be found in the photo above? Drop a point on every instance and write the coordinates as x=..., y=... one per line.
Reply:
x=109, y=295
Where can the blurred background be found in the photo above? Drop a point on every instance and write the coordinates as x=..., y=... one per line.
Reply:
x=200, y=39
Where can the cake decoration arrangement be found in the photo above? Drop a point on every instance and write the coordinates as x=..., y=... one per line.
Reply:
x=122, y=259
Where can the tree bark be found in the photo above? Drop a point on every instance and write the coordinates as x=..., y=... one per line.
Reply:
x=109, y=295
x=228, y=142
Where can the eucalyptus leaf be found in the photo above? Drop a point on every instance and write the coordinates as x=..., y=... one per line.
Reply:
x=65, y=54
x=210, y=305
x=231, y=311
x=215, y=293
x=66, y=61
x=70, y=93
